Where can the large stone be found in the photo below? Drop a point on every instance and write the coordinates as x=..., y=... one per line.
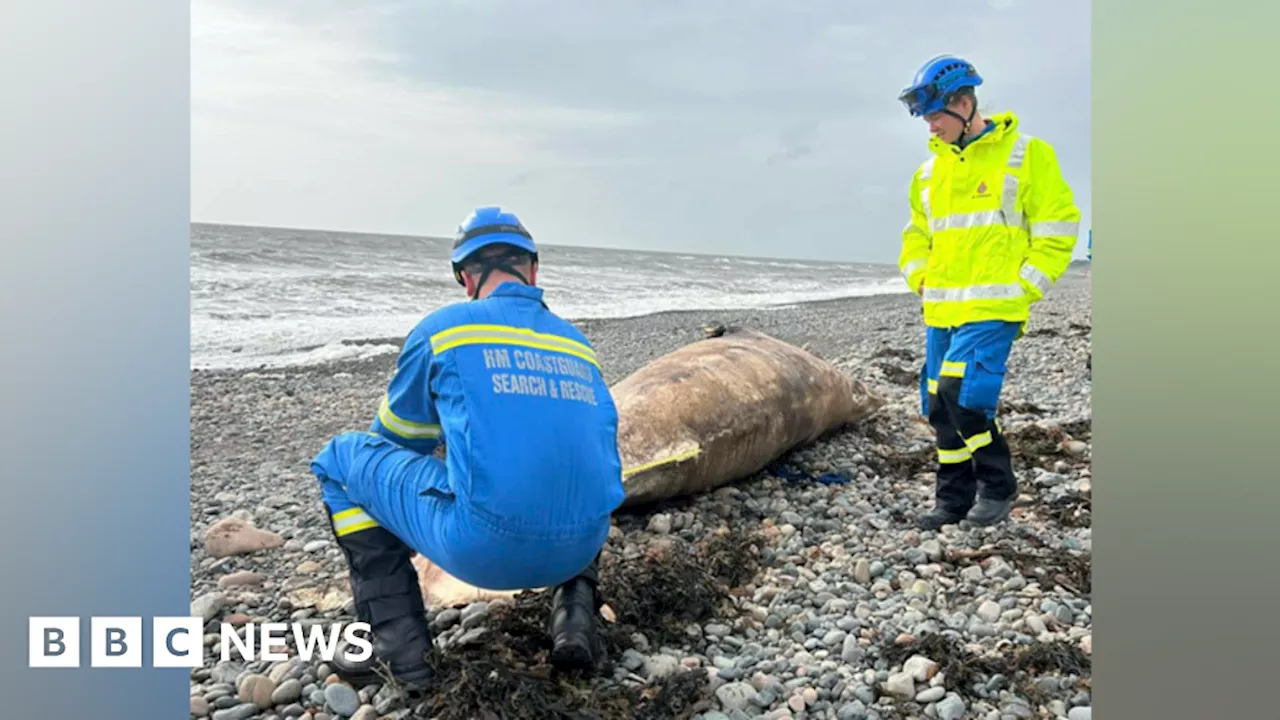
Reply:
x=257, y=689
x=206, y=606
x=901, y=685
x=234, y=536
x=735, y=696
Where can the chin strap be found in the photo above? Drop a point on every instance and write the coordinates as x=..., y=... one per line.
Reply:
x=489, y=268
x=968, y=123
x=505, y=263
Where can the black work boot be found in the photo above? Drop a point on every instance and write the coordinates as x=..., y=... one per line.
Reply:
x=937, y=517
x=997, y=483
x=989, y=512
x=575, y=635
x=956, y=483
x=388, y=597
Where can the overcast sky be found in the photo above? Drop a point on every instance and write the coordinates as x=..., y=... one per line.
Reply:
x=722, y=126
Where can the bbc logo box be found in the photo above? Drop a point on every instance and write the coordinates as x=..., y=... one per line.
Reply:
x=55, y=642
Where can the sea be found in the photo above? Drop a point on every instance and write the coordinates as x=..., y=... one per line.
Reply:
x=274, y=298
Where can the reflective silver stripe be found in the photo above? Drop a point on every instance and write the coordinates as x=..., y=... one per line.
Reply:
x=924, y=201
x=926, y=168
x=964, y=221
x=1019, y=152
x=913, y=227
x=1060, y=228
x=975, y=292
x=1009, y=202
x=1009, y=198
x=1033, y=275
x=911, y=267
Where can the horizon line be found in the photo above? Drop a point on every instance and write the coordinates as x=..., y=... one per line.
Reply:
x=558, y=246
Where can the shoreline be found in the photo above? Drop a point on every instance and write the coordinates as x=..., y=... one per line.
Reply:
x=853, y=303
x=581, y=322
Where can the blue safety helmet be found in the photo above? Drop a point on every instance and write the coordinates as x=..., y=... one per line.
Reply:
x=486, y=227
x=936, y=82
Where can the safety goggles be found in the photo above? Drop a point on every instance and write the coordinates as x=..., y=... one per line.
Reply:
x=921, y=100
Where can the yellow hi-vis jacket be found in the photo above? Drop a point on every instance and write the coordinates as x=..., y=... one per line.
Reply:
x=992, y=227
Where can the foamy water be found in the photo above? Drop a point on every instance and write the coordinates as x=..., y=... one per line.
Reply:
x=275, y=298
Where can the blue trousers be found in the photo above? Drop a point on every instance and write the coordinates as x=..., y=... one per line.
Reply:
x=960, y=387
x=367, y=481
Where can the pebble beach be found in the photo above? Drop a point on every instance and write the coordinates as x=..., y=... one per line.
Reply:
x=852, y=614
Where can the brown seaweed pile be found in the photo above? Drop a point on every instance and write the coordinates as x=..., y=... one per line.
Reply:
x=507, y=673
x=964, y=668
x=1071, y=570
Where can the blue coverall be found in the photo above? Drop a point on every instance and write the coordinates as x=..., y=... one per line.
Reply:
x=532, y=474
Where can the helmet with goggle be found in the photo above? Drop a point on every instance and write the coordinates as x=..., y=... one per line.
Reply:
x=485, y=228
x=937, y=83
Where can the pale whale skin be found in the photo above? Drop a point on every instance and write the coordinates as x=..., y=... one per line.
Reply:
x=705, y=415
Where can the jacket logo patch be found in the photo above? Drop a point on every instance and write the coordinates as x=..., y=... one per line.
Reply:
x=982, y=190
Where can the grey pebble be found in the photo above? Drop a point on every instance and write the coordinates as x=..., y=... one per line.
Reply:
x=315, y=546
x=446, y=619
x=950, y=708
x=764, y=698
x=932, y=694
x=243, y=711
x=288, y=692
x=632, y=660
x=1080, y=713
x=474, y=615
x=341, y=699
x=735, y=696
x=207, y=606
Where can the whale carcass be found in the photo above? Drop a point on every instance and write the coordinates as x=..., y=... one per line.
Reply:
x=707, y=414
x=723, y=408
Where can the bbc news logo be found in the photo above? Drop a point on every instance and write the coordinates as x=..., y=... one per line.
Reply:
x=54, y=642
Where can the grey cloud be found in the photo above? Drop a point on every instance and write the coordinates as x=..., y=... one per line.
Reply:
x=753, y=127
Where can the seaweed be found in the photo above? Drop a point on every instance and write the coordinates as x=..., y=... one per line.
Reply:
x=507, y=674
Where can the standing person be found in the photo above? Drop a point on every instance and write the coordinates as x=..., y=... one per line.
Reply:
x=532, y=473
x=992, y=228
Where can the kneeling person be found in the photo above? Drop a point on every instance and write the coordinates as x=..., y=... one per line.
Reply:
x=532, y=472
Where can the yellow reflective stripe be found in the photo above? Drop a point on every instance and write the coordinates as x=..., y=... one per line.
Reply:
x=952, y=457
x=978, y=442
x=1055, y=228
x=1033, y=275
x=504, y=329
x=952, y=369
x=664, y=461
x=933, y=387
x=405, y=428
x=507, y=335
x=352, y=521
x=1010, y=291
